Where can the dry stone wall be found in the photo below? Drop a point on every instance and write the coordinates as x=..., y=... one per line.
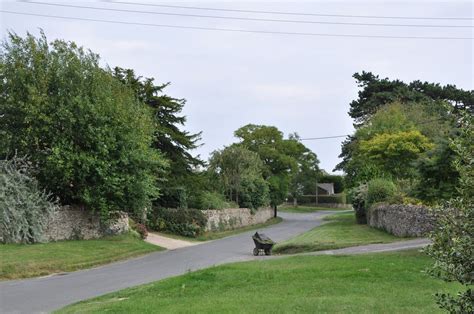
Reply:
x=401, y=220
x=74, y=223
x=232, y=218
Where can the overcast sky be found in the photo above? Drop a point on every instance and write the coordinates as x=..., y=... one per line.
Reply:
x=299, y=84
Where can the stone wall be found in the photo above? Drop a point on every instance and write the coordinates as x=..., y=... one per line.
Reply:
x=401, y=220
x=73, y=223
x=232, y=218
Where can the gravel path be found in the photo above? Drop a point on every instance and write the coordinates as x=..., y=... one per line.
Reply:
x=168, y=243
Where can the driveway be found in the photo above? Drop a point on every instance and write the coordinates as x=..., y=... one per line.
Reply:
x=45, y=294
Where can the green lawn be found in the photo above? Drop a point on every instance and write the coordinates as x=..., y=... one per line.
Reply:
x=21, y=261
x=341, y=231
x=305, y=209
x=376, y=283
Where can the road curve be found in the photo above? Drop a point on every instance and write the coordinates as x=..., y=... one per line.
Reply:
x=46, y=294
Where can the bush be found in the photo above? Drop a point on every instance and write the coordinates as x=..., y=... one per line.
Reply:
x=209, y=200
x=186, y=222
x=84, y=130
x=139, y=228
x=24, y=208
x=323, y=199
x=380, y=190
x=254, y=193
x=358, y=197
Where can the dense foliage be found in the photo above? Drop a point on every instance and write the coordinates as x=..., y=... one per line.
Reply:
x=24, y=207
x=379, y=190
x=238, y=170
x=168, y=137
x=186, y=222
x=289, y=166
x=453, y=238
x=377, y=92
x=85, y=132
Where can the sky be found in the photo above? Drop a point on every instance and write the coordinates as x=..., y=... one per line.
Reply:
x=298, y=83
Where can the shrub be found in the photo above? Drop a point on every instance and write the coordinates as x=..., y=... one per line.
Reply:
x=332, y=199
x=208, y=200
x=139, y=228
x=380, y=190
x=254, y=193
x=142, y=231
x=84, y=130
x=358, y=197
x=452, y=246
x=186, y=222
x=24, y=208
x=323, y=199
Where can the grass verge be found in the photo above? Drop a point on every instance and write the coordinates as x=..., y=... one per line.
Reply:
x=341, y=231
x=31, y=260
x=305, y=209
x=376, y=283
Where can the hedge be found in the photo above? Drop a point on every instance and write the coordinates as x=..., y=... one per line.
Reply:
x=323, y=199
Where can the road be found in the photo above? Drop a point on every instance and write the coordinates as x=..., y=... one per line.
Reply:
x=45, y=294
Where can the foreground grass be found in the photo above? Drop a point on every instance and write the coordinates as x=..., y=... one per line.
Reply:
x=22, y=261
x=377, y=283
x=222, y=234
x=341, y=231
x=305, y=209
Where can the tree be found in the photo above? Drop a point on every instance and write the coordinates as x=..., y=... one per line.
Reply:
x=452, y=245
x=85, y=133
x=434, y=125
x=395, y=153
x=377, y=92
x=169, y=138
x=430, y=107
x=305, y=176
x=234, y=165
x=287, y=162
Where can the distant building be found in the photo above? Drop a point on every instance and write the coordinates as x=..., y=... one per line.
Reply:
x=325, y=188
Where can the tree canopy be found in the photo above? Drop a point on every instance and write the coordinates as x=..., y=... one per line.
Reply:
x=87, y=135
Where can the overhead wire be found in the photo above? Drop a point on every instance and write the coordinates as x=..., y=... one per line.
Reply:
x=234, y=30
x=288, y=13
x=243, y=18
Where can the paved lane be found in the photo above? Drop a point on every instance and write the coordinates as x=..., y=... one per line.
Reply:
x=49, y=293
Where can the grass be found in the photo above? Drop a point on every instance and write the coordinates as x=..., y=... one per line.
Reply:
x=22, y=260
x=305, y=209
x=340, y=231
x=377, y=283
x=221, y=234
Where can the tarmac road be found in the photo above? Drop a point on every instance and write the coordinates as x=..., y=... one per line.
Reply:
x=46, y=294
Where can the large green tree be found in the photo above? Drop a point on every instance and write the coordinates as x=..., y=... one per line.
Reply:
x=169, y=137
x=429, y=105
x=87, y=135
x=236, y=166
x=284, y=160
x=376, y=92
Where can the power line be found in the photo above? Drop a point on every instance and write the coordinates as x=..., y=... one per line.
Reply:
x=291, y=13
x=323, y=138
x=233, y=30
x=245, y=18
x=339, y=136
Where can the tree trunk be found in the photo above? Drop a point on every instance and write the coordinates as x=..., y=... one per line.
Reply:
x=295, y=201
